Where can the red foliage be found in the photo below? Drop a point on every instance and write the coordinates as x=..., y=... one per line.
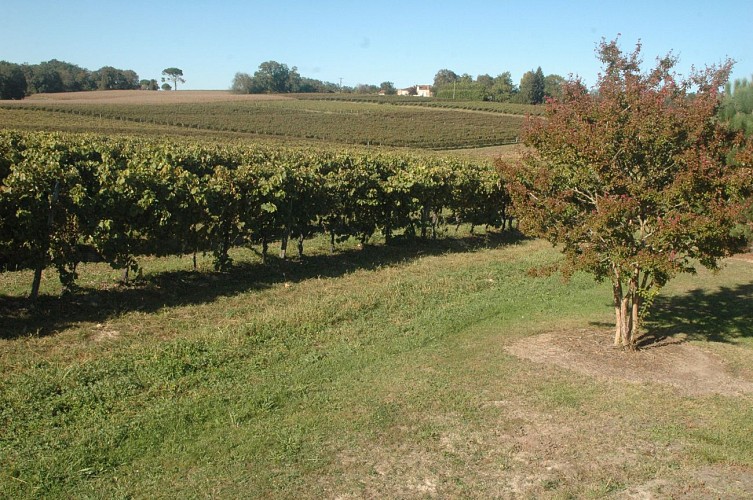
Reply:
x=631, y=179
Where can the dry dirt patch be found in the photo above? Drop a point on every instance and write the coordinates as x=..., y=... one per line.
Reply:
x=747, y=257
x=691, y=369
x=710, y=481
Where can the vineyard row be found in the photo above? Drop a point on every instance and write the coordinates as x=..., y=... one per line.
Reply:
x=65, y=195
x=357, y=124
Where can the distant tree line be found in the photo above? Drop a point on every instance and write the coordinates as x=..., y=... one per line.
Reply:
x=385, y=88
x=20, y=80
x=534, y=87
x=273, y=77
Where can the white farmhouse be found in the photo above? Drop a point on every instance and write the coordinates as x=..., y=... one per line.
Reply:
x=423, y=90
x=417, y=90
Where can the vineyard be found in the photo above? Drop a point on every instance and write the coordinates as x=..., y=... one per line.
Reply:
x=441, y=126
x=65, y=196
x=383, y=363
x=508, y=108
x=30, y=119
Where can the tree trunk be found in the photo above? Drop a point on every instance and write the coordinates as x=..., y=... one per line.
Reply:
x=35, y=284
x=300, y=245
x=635, y=299
x=424, y=220
x=635, y=318
x=46, y=245
x=626, y=319
x=388, y=229
x=284, y=244
x=617, y=298
x=332, y=242
x=626, y=310
x=264, y=249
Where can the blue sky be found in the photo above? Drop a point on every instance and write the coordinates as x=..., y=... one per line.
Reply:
x=405, y=42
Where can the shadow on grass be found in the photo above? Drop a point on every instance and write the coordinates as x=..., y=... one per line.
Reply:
x=180, y=288
x=722, y=315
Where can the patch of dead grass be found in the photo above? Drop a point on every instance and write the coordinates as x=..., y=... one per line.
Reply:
x=691, y=369
x=747, y=257
x=708, y=481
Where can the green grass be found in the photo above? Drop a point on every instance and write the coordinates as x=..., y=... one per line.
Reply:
x=370, y=373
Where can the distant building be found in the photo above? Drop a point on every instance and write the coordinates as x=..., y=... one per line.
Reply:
x=417, y=90
x=423, y=90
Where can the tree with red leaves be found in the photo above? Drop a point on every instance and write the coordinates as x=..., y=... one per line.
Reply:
x=636, y=180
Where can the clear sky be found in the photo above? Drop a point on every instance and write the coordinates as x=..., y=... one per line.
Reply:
x=405, y=42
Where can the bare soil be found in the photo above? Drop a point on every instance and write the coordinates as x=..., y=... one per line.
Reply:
x=145, y=97
x=691, y=369
x=747, y=257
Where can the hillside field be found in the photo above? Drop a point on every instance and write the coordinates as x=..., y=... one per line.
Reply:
x=388, y=123
x=423, y=368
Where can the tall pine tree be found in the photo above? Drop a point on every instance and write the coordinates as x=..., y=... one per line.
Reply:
x=538, y=86
x=532, y=87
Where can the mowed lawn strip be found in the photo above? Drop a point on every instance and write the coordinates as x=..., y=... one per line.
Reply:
x=370, y=380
